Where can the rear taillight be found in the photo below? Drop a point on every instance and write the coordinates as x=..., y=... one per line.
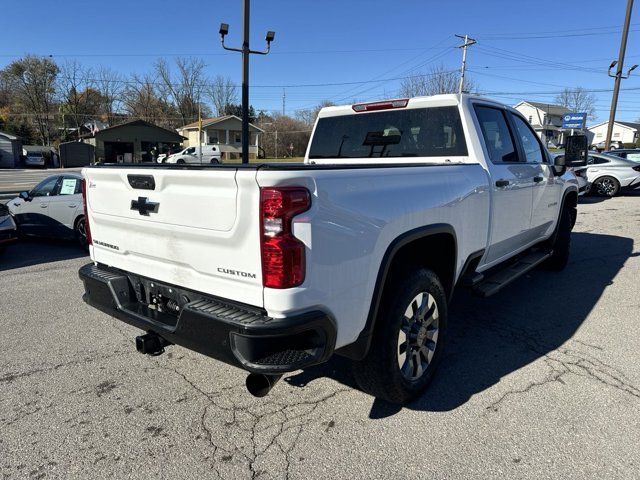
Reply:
x=578, y=173
x=86, y=212
x=283, y=259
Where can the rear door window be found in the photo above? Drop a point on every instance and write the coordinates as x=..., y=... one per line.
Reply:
x=496, y=133
x=417, y=132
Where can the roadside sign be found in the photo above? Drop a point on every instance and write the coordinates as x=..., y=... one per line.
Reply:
x=574, y=120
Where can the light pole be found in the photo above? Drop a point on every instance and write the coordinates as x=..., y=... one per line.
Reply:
x=246, y=51
x=618, y=75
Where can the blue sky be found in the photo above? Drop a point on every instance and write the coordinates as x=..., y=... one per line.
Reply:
x=526, y=49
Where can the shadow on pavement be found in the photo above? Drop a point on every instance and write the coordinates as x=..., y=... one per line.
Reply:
x=491, y=338
x=38, y=251
x=593, y=198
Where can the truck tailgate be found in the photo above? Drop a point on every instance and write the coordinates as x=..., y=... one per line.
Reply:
x=197, y=229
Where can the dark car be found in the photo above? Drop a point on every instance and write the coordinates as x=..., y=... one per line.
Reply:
x=8, y=232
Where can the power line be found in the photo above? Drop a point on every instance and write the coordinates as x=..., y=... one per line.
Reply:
x=564, y=30
x=209, y=54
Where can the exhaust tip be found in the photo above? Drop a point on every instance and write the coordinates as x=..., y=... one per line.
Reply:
x=259, y=385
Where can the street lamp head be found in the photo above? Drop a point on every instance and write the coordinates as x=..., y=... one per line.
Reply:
x=270, y=36
x=632, y=69
x=613, y=64
x=224, y=29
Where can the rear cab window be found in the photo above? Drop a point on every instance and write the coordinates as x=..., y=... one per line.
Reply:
x=406, y=133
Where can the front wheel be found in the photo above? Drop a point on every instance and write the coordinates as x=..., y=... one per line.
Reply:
x=408, y=339
x=606, y=186
x=562, y=242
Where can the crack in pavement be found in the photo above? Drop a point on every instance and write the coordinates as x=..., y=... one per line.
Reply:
x=567, y=361
x=12, y=376
x=253, y=432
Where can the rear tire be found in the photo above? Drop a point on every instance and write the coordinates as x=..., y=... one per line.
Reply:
x=408, y=339
x=180, y=162
x=606, y=186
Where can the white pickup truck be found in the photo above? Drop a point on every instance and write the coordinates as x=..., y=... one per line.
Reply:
x=356, y=252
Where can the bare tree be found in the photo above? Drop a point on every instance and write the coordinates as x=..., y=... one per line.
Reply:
x=309, y=116
x=578, y=100
x=222, y=92
x=79, y=100
x=290, y=132
x=185, y=90
x=110, y=84
x=142, y=100
x=32, y=82
x=437, y=81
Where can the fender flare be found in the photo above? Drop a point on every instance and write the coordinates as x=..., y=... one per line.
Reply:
x=359, y=348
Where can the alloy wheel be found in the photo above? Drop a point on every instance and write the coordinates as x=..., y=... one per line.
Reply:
x=82, y=233
x=418, y=336
x=606, y=186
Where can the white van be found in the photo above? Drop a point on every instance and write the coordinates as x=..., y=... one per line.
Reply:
x=210, y=154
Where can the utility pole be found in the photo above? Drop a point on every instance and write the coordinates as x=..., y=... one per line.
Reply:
x=284, y=96
x=618, y=75
x=199, y=134
x=467, y=43
x=246, y=51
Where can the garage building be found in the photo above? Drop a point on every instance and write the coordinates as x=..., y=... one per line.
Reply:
x=131, y=142
x=10, y=150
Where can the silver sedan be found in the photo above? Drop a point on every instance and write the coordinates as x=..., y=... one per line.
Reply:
x=7, y=228
x=54, y=208
x=608, y=174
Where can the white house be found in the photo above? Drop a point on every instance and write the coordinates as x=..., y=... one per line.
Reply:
x=625, y=132
x=225, y=132
x=545, y=118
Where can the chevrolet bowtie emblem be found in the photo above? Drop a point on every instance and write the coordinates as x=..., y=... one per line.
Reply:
x=144, y=206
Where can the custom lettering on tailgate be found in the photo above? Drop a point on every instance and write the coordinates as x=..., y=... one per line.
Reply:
x=237, y=273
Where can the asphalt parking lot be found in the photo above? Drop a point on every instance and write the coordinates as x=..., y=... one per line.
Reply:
x=540, y=381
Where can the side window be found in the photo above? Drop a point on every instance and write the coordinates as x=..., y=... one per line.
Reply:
x=528, y=140
x=69, y=186
x=46, y=188
x=190, y=151
x=496, y=134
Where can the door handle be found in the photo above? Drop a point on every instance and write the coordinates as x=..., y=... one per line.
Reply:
x=43, y=205
x=71, y=206
x=538, y=179
x=502, y=183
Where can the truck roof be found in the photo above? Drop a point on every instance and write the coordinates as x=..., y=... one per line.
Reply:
x=444, y=100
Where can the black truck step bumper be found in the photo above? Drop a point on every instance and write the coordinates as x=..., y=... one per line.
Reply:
x=233, y=333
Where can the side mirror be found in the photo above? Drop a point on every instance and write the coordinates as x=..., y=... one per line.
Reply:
x=576, y=151
x=25, y=196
